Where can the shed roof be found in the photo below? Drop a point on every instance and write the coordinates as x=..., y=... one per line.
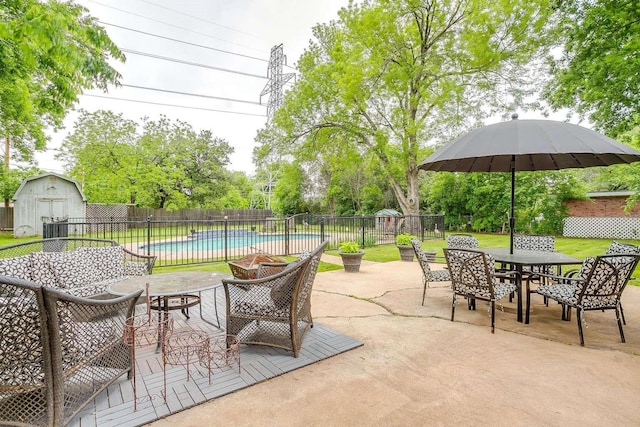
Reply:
x=610, y=194
x=388, y=212
x=33, y=178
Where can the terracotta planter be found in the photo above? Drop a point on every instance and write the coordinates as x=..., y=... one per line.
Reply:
x=351, y=261
x=406, y=253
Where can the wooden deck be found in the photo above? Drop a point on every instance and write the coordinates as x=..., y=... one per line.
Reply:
x=115, y=406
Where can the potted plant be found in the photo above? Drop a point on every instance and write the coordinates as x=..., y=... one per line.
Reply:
x=351, y=255
x=403, y=242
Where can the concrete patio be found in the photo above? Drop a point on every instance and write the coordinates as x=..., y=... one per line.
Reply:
x=418, y=368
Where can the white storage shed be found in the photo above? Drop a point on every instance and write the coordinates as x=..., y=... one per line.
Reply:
x=46, y=198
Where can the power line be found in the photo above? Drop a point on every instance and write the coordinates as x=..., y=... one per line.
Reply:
x=173, y=105
x=198, y=18
x=183, y=42
x=195, y=64
x=192, y=94
x=171, y=25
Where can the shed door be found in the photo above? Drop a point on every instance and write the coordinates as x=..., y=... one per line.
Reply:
x=51, y=208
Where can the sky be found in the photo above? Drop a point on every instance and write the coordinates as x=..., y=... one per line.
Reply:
x=247, y=29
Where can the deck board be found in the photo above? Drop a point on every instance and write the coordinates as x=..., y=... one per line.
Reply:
x=115, y=405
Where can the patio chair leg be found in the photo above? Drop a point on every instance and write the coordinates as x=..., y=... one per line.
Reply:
x=620, y=324
x=579, y=315
x=624, y=322
x=493, y=317
x=453, y=307
x=424, y=290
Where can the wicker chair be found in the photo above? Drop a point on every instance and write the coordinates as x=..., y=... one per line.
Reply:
x=428, y=275
x=57, y=351
x=598, y=286
x=473, y=276
x=461, y=241
x=274, y=310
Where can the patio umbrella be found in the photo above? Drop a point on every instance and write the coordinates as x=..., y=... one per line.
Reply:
x=528, y=145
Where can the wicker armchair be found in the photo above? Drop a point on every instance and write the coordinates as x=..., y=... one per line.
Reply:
x=428, y=275
x=57, y=351
x=598, y=286
x=473, y=276
x=274, y=310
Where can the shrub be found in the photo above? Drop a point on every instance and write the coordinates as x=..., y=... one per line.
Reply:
x=349, y=247
x=404, y=239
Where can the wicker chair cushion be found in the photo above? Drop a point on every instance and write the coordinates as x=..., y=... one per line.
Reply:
x=19, y=267
x=42, y=273
x=70, y=269
x=132, y=268
x=107, y=262
x=261, y=310
x=281, y=293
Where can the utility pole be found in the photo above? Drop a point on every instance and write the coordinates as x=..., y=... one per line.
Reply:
x=7, y=147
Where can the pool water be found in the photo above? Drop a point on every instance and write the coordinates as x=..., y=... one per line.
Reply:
x=214, y=240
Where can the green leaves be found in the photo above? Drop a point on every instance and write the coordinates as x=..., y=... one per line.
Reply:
x=49, y=53
x=391, y=77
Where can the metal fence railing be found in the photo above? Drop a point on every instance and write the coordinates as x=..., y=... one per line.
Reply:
x=180, y=242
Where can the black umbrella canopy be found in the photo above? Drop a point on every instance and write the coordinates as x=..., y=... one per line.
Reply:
x=536, y=144
x=528, y=145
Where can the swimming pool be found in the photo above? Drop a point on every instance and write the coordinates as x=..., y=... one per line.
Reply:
x=214, y=240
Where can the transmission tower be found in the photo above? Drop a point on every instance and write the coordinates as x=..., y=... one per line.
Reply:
x=277, y=80
x=261, y=195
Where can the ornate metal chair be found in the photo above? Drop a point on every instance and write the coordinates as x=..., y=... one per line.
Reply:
x=597, y=286
x=428, y=275
x=274, y=310
x=461, y=241
x=473, y=276
x=535, y=242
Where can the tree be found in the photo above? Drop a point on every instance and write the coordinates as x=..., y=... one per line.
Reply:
x=391, y=76
x=167, y=164
x=597, y=74
x=49, y=53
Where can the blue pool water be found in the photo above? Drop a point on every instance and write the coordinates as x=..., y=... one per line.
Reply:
x=214, y=240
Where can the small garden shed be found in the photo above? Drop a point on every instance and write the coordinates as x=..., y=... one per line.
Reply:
x=46, y=198
x=389, y=220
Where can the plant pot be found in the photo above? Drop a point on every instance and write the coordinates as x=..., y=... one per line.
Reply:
x=406, y=253
x=431, y=256
x=351, y=261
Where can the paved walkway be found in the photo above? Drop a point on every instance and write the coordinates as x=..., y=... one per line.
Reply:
x=419, y=368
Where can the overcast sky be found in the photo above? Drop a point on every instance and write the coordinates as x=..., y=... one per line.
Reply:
x=246, y=28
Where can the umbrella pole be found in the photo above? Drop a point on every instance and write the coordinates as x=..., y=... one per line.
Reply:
x=512, y=220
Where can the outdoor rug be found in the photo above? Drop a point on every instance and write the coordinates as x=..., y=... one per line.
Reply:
x=115, y=406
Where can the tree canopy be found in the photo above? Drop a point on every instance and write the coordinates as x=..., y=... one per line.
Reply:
x=50, y=51
x=389, y=78
x=164, y=164
x=597, y=74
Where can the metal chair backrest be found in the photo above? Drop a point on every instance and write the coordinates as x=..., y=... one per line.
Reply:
x=421, y=256
x=461, y=241
x=472, y=272
x=534, y=242
x=603, y=280
x=617, y=248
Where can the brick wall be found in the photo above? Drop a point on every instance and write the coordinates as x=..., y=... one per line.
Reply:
x=599, y=207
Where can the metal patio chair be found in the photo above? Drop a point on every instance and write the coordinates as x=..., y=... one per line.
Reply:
x=428, y=275
x=473, y=276
x=597, y=286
